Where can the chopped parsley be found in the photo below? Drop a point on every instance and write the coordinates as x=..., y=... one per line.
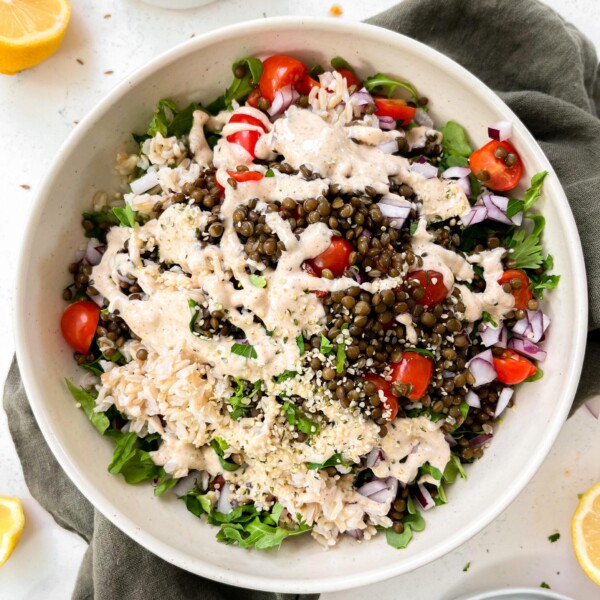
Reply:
x=242, y=397
x=300, y=342
x=194, y=310
x=219, y=445
x=487, y=318
x=431, y=470
x=326, y=346
x=258, y=280
x=466, y=567
x=545, y=585
x=554, y=537
x=422, y=351
x=126, y=216
x=296, y=418
x=332, y=461
x=245, y=350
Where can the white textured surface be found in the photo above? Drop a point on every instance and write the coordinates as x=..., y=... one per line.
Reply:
x=38, y=109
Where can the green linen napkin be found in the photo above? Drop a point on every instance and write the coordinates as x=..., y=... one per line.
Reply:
x=548, y=73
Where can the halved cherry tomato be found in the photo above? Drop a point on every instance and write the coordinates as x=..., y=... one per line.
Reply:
x=512, y=368
x=395, y=108
x=416, y=370
x=523, y=294
x=390, y=402
x=336, y=258
x=243, y=176
x=350, y=77
x=253, y=98
x=433, y=283
x=246, y=139
x=279, y=71
x=501, y=176
x=306, y=84
x=78, y=324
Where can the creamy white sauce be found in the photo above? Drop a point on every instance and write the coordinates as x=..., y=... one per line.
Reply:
x=198, y=145
x=418, y=441
x=436, y=258
x=493, y=300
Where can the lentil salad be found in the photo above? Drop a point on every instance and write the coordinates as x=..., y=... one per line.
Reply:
x=308, y=312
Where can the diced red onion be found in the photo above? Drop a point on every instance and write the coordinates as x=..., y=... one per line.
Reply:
x=283, y=98
x=144, y=183
x=477, y=214
x=388, y=147
x=372, y=487
x=93, y=252
x=503, y=400
x=497, y=206
x=362, y=98
x=354, y=274
x=501, y=343
x=448, y=374
x=533, y=326
x=98, y=299
x=480, y=440
x=422, y=118
x=456, y=172
x=388, y=494
x=185, y=484
x=374, y=457
x=482, y=368
x=366, y=233
x=224, y=504
x=472, y=399
x=357, y=534
x=396, y=210
x=527, y=348
x=593, y=406
x=500, y=130
x=387, y=123
x=426, y=169
x=423, y=497
x=465, y=184
x=451, y=441
x=491, y=336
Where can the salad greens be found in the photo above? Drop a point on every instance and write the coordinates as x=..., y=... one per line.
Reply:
x=244, y=525
x=240, y=87
x=383, y=83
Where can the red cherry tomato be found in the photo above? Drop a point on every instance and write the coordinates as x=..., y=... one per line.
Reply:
x=390, y=402
x=350, y=77
x=243, y=176
x=246, y=139
x=416, y=370
x=336, y=258
x=523, y=294
x=512, y=368
x=253, y=98
x=395, y=108
x=502, y=177
x=78, y=325
x=306, y=84
x=433, y=283
x=279, y=71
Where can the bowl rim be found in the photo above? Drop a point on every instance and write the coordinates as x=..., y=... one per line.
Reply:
x=221, y=573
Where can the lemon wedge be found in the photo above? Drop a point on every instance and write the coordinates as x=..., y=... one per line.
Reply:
x=30, y=32
x=585, y=533
x=12, y=521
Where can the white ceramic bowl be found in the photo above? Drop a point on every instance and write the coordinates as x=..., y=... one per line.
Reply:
x=201, y=69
